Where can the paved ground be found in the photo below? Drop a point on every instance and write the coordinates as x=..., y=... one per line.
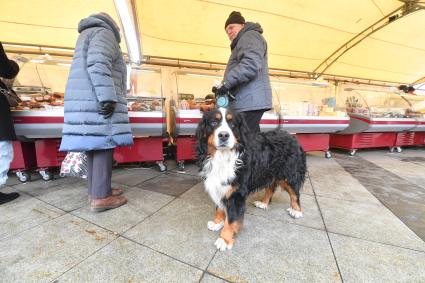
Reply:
x=364, y=221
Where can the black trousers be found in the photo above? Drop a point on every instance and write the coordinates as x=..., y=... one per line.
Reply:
x=252, y=119
x=99, y=173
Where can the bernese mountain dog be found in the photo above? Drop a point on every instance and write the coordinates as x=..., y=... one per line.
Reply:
x=235, y=163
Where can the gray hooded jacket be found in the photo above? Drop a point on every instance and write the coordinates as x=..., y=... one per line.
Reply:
x=247, y=72
x=98, y=73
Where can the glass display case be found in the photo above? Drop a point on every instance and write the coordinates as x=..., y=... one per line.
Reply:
x=40, y=84
x=146, y=103
x=308, y=106
x=375, y=109
x=416, y=109
x=194, y=96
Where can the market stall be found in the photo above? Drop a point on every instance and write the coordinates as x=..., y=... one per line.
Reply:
x=146, y=105
x=308, y=110
x=39, y=117
x=193, y=97
x=378, y=118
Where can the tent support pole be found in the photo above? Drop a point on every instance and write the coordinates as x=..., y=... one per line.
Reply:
x=409, y=7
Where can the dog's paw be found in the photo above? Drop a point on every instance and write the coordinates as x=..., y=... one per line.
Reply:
x=260, y=204
x=294, y=213
x=212, y=226
x=221, y=244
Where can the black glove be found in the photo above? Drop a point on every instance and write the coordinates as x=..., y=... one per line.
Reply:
x=221, y=90
x=107, y=108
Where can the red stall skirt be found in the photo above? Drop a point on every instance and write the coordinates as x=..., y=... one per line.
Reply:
x=143, y=149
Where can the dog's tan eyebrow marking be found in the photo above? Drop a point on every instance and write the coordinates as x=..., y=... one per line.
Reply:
x=218, y=116
x=229, y=116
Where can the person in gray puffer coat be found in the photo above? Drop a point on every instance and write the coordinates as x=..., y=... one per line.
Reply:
x=247, y=72
x=96, y=118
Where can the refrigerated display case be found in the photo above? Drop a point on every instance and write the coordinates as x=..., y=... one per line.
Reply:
x=39, y=117
x=417, y=110
x=308, y=110
x=378, y=118
x=41, y=84
x=193, y=95
x=146, y=111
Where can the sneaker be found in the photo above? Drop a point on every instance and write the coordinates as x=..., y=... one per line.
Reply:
x=111, y=202
x=8, y=197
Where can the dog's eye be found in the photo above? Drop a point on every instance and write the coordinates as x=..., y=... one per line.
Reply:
x=213, y=123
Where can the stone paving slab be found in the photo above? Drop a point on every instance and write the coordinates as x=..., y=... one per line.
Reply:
x=68, y=198
x=277, y=210
x=403, y=198
x=24, y=213
x=307, y=189
x=180, y=230
x=363, y=261
x=126, y=261
x=40, y=187
x=413, y=172
x=12, y=180
x=276, y=252
x=211, y=279
x=45, y=252
x=368, y=221
x=172, y=184
x=133, y=176
x=190, y=168
x=141, y=203
x=329, y=179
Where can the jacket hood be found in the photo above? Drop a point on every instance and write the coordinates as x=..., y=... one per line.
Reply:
x=247, y=27
x=100, y=20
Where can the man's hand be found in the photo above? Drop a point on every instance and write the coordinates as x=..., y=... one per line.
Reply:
x=220, y=90
x=107, y=108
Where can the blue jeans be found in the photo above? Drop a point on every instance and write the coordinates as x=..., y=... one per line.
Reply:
x=6, y=156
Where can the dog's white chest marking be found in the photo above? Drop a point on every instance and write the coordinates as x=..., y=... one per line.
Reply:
x=218, y=172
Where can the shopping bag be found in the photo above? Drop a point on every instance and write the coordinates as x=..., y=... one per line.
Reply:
x=75, y=165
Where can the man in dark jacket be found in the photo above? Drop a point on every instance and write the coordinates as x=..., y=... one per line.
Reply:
x=247, y=71
x=8, y=70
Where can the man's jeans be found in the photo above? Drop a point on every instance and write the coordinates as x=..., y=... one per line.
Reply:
x=6, y=156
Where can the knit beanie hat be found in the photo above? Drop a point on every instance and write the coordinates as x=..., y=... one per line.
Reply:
x=235, y=17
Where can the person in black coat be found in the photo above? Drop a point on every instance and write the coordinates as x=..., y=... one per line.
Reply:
x=8, y=70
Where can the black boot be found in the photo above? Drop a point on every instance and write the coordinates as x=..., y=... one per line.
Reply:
x=7, y=197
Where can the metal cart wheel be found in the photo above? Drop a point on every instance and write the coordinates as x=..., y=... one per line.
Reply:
x=352, y=152
x=46, y=175
x=328, y=154
x=180, y=165
x=162, y=166
x=399, y=149
x=23, y=176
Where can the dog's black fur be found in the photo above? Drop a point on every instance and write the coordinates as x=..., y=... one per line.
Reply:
x=268, y=158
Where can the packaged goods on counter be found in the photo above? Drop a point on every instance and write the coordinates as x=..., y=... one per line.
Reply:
x=144, y=104
x=35, y=98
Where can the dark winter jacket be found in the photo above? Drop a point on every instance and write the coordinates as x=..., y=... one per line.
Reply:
x=247, y=71
x=8, y=70
x=98, y=74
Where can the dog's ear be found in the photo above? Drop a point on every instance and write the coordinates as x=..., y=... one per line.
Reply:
x=201, y=138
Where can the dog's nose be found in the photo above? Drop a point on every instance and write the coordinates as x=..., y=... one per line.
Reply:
x=223, y=136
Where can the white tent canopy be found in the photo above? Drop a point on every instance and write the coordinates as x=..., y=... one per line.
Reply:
x=301, y=35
